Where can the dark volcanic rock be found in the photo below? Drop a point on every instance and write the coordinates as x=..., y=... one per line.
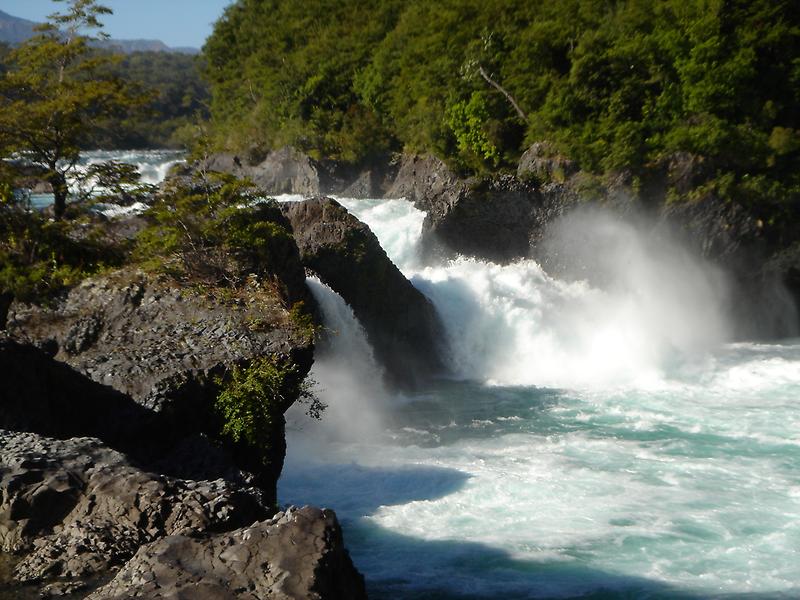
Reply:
x=76, y=508
x=368, y=184
x=287, y=171
x=160, y=348
x=400, y=322
x=428, y=183
x=492, y=219
x=716, y=229
x=298, y=555
x=152, y=340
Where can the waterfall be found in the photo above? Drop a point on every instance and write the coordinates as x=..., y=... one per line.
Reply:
x=600, y=437
x=345, y=372
x=514, y=324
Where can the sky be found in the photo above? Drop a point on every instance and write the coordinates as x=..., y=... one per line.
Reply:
x=174, y=22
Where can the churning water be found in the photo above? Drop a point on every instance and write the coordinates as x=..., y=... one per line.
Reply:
x=599, y=440
x=153, y=165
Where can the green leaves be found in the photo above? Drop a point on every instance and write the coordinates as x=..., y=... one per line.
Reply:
x=467, y=120
x=56, y=92
x=252, y=401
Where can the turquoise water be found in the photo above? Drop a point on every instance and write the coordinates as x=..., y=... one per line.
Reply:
x=592, y=443
x=519, y=492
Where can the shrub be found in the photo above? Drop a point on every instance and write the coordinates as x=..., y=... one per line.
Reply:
x=253, y=399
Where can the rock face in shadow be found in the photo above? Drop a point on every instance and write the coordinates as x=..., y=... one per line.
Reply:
x=162, y=347
x=491, y=219
x=400, y=322
x=306, y=561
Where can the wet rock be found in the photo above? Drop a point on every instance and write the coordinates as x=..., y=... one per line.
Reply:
x=490, y=218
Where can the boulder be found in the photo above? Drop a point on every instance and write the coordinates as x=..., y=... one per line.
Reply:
x=76, y=508
x=367, y=184
x=299, y=554
x=399, y=320
x=490, y=219
x=283, y=171
x=287, y=171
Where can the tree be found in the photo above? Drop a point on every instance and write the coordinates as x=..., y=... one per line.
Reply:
x=56, y=92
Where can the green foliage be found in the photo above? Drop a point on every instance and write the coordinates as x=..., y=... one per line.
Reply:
x=303, y=320
x=215, y=231
x=253, y=399
x=178, y=98
x=467, y=119
x=55, y=92
x=613, y=84
x=281, y=74
x=40, y=258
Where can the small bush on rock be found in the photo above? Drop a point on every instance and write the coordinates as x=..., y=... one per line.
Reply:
x=40, y=258
x=253, y=399
x=215, y=231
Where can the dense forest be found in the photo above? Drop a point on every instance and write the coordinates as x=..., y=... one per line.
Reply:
x=614, y=85
x=178, y=99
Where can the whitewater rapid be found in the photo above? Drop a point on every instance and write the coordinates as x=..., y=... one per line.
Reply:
x=596, y=441
x=153, y=166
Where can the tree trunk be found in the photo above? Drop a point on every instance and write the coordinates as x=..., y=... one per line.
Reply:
x=60, y=192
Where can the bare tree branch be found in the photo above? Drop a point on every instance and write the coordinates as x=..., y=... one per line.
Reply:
x=502, y=90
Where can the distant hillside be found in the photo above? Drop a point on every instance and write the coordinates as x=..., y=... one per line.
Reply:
x=14, y=30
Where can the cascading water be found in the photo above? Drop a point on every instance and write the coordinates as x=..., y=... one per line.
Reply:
x=601, y=440
x=153, y=165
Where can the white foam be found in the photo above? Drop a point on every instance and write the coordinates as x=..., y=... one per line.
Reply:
x=668, y=462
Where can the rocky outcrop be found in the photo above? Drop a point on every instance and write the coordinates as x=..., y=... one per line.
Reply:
x=160, y=347
x=76, y=509
x=504, y=218
x=298, y=554
x=400, y=322
x=492, y=219
x=150, y=339
x=283, y=171
x=289, y=171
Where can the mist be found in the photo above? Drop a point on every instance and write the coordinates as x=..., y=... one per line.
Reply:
x=617, y=305
x=347, y=377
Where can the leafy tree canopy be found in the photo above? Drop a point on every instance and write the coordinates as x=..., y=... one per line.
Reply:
x=613, y=84
x=56, y=92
